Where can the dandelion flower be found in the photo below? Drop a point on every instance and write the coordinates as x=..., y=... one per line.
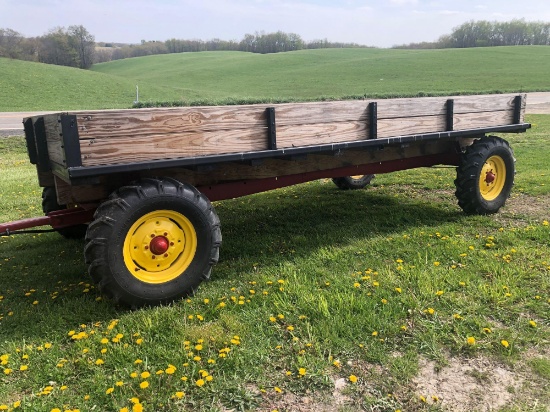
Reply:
x=532, y=323
x=302, y=371
x=109, y=390
x=137, y=407
x=471, y=340
x=277, y=389
x=180, y=395
x=99, y=362
x=504, y=343
x=145, y=375
x=353, y=378
x=200, y=382
x=144, y=385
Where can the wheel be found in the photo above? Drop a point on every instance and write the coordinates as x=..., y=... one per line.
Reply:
x=353, y=182
x=49, y=204
x=485, y=176
x=153, y=242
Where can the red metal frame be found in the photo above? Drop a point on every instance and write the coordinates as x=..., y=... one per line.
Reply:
x=57, y=220
x=232, y=190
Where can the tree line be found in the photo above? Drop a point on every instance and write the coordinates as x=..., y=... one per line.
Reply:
x=254, y=43
x=485, y=33
x=74, y=47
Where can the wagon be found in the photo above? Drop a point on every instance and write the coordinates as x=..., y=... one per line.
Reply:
x=138, y=184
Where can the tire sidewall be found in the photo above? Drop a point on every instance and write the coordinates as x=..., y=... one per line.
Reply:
x=191, y=276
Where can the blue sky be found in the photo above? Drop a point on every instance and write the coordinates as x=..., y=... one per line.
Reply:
x=370, y=22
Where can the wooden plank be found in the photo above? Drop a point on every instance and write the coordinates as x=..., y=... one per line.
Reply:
x=125, y=123
x=486, y=119
x=143, y=148
x=71, y=195
x=164, y=121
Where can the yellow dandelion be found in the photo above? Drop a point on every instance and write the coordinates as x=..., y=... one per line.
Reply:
x=145, y=375
x=109, y=390
x=144, y=385
x=504, y=343
x=200, y=382
x=471, y=340
x=398, y=290
x=302, y=371
x=439, y=293
x=180, y=395
x=277, y=389
x=137, y=407
x=99, y=362
x=532, y=323
x=352, y=378
x=24, y=367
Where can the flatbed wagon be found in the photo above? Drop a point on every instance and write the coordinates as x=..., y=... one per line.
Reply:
x=138, y=184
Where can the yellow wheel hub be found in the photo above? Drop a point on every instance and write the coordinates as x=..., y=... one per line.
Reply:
x=492, y=178
x=160, y=246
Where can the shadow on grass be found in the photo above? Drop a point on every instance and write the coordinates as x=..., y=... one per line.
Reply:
x=46, y=290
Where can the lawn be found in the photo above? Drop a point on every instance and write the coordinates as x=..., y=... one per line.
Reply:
x=322, y=300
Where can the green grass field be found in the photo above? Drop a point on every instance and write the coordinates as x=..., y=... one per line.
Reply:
x=315, y=286
x=323, y=300
x=233, y=77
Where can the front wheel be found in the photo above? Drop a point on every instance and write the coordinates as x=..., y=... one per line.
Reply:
x=485, y=176
x=353, y=182
x=152, y=242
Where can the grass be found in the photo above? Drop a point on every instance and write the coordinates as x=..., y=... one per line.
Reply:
x=236, y=77
x=314, y=285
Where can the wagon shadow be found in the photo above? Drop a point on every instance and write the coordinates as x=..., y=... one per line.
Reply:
x=308, y=218
x=271, y=228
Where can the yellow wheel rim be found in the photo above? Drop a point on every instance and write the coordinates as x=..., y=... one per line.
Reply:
x=160, y=246
x=492, y=178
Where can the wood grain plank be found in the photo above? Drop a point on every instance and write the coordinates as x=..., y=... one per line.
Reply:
x=156, y=147
x=484, y=119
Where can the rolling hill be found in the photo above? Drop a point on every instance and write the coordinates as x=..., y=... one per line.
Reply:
x=221, y=77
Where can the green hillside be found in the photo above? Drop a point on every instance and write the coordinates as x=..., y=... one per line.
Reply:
x=28, y=86
x=217, y=77
x=309, y=74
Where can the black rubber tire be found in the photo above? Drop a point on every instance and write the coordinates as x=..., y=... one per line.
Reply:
x=112, y=222
x=467, y=182
x=49, y=204
x=352, y=182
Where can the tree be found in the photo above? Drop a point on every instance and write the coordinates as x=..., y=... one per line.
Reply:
x=10, y=43
x=84, y=45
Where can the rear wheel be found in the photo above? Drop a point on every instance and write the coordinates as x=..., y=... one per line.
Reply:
x=153, y=242
x=353, y=182
x=49, y=204
x=485, y=176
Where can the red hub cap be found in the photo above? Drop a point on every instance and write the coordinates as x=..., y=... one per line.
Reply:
x=159, y=245
x=490, y=177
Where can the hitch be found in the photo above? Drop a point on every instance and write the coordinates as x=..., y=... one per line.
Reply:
x=57, y=220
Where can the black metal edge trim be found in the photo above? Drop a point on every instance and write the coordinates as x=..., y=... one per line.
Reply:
x=373, y=120
x=517, y=109
x=89, y=171
x=271, y=128
x=29, y=139
x=43, y=158
x=450, y=109
x=71, y=142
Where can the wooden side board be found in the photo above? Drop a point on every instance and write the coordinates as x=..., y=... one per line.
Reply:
x=126, y=136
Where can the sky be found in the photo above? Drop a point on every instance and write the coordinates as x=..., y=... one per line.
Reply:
x=369, y=22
